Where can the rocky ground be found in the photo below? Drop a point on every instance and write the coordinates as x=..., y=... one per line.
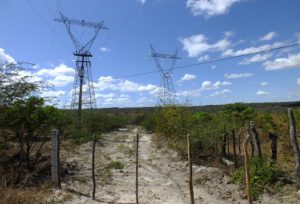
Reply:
x=163, y=177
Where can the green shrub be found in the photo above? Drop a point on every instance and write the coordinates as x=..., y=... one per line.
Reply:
x=263, y=177
x=116, y=165
x=149, y=123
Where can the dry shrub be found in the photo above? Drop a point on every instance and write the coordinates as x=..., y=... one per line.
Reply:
x=27, y=196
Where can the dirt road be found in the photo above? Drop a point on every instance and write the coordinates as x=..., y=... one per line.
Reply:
x=162, y=175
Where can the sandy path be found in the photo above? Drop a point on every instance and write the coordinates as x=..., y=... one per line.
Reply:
x=162, y=176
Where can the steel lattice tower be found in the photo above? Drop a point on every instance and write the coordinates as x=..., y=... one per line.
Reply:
x=167, y=95
x=83, y=95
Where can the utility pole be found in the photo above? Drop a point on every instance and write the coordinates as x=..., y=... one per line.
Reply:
x=167, y=94
x=83, y=94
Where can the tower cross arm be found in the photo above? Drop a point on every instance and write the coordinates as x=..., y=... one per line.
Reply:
x=168, y=56
x=67, y=20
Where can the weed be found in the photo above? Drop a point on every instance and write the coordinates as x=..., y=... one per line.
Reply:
x=263, y=177
x=115, y=165
x=67, y=197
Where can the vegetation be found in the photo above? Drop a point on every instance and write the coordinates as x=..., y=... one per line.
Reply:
x=26, y=123
x=220, y=135
x=116, y=165
x=263, y=177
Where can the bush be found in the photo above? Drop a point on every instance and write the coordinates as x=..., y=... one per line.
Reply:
x=263, y=177
x=116, y=165
x=149, y=123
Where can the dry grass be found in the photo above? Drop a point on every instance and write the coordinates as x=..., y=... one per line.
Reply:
x=26, y=196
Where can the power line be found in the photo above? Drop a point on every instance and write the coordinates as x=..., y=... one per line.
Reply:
x=43, y=19
x=212, y=61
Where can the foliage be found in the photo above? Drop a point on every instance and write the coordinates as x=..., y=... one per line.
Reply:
x=262, y=176
x=14, y=86
x=149, y=122
x=116, y=165
x=238, y=114
x=30, y=122
x=206, y=135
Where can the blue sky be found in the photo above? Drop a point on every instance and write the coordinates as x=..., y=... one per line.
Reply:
x=201, y=30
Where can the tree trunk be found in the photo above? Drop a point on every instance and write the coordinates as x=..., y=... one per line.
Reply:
x=273, y=140
x=252, y=145
x=27, y=155
x=93, y=167
x=239, y=145
x=250, y=138
x=247, y=169
x=294, y=142
x=256, y=137
x=228, y=145
x=190, y=169
x=234, y=148
x=137, y=170
x=21, y=141
x=224, y=145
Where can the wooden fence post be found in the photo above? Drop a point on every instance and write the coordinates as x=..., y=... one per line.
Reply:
x=190, y=168
x=273, y=140
x=55, y=164
x=93, y=167
x=137, y=170
x=247, y=168
x=294, y=142
x=224, y=145
x=256, y=137
x=234, y=148
x=228, y=145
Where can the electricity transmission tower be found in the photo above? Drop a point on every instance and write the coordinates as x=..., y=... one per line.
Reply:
x=167, y=95
x=83, y=94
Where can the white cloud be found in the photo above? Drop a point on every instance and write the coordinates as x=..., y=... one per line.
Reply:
x=236, y=76
x=291, y=61
x=210, y=7
x=195, y=45
x=53, y=93
x=297, y=35
x=142, y=1
x=298, y=81
x=207, y=85
x=58, y=76
x=104, y=49
x=61, y=80
x=188, y=77
x=256, y=58
x=109, y=83
x=5, y=58
x=203, y=58
x=112, y=99
x=129, y=86
x=229, y=33
x=264, y=83
x=268, y=36
x=192, y=93
x=221, y=93
x=231, y=52
x=262, y=93
x=110, y=95
x=60, y=70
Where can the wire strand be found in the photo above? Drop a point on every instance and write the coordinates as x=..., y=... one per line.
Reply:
x=211, y=61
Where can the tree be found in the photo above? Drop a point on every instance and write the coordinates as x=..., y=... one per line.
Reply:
x=237, y=115
x=13, y=85
x=30, y=121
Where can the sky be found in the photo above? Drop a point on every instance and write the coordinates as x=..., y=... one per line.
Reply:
x=201, y=31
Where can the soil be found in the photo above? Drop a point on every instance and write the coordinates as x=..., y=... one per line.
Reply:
x=163, y=176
